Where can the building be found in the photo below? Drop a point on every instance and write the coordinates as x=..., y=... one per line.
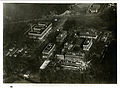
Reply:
x=48, y=51
x=105, y=36
x=45, y=64
x=61, y=37
x=71, y=57
x=40, y=31
x=94, y=8
x=69, y=67
x=68, y=46
x=70, y=61
x=87, y=44
x=87, y=33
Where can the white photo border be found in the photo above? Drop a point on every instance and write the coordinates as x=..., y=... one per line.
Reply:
x=36, y=85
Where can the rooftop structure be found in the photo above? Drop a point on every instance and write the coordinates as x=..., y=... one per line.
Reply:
x=48, y=51
x=87, y=44
x=60, y=38
x=68, y=46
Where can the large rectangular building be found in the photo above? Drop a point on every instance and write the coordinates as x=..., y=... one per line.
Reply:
x=48, y=51
x=61, y=37
x=40, y=31
x=70, y=61
x=71, y=57
x=87, y=33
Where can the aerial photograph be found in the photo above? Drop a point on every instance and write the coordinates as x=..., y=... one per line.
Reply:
x=60, y=43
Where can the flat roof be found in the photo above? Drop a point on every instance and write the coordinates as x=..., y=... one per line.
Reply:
x=63, y=33
x=48, y=47
x=87, y=41
x=86, y=32
x=43, y=23
x=45, y=63
x=39, y=28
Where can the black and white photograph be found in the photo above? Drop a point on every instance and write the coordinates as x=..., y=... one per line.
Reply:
x=60, y=43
